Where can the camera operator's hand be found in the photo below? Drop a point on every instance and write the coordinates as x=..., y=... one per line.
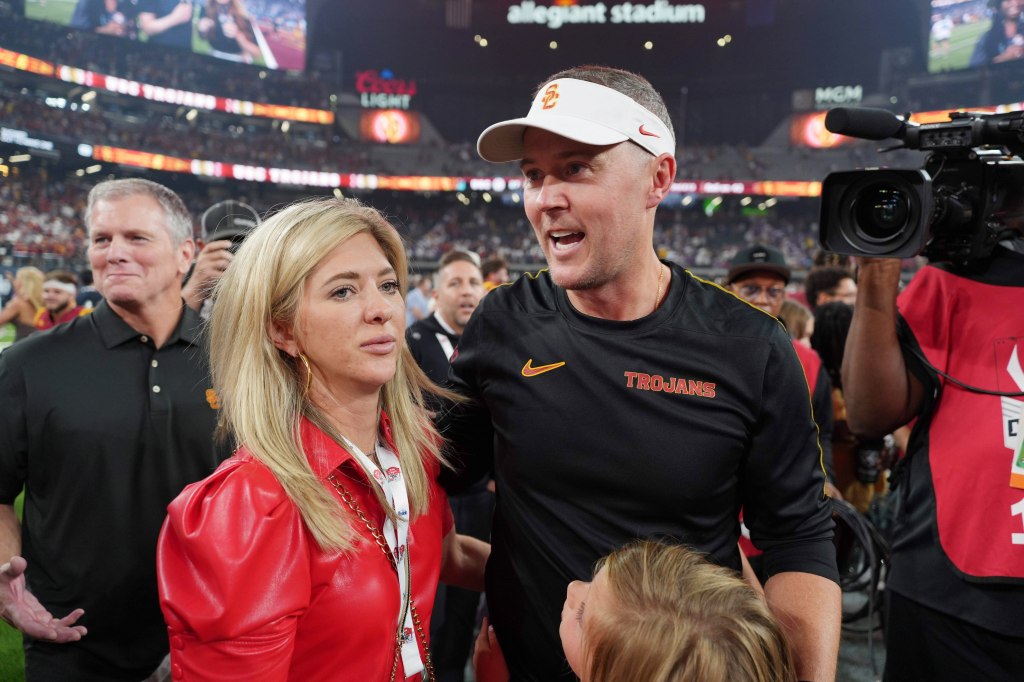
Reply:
x=211, y=263
x=881, y=278
x=881, y=393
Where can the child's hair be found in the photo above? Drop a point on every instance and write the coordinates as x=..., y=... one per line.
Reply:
x=795, y=316
x=675, y=617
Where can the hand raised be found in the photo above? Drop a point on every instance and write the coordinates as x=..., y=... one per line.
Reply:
x=22, y=610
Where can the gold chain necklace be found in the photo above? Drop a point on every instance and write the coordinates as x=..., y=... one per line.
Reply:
x=408, y=604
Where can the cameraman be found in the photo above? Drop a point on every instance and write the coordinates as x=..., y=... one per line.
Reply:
x=956, y=590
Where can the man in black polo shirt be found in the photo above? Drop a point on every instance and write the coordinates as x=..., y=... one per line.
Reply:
x=624, y=398
x=105, y=420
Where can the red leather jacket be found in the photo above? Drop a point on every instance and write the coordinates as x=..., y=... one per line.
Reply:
x=248, y=594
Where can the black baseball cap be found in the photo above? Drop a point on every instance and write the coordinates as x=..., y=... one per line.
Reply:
x=758, y=258
x=228, y=219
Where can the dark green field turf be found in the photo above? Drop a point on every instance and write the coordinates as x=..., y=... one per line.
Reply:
x=961, y=45
x=57, y=11
x=12, y=656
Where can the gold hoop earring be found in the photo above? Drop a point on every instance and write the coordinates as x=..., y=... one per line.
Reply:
x=309, y=374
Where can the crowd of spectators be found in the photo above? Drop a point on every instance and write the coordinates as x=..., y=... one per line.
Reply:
x=42, y=223
x=164, y=129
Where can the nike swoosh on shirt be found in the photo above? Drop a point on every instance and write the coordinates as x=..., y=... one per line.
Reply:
x=530, y=371
x=644, y=131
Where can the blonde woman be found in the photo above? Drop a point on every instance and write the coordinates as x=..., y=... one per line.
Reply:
x=26, y=303
x=313, y=553
x=662, y=613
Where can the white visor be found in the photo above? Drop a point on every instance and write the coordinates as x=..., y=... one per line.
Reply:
x=581, y=111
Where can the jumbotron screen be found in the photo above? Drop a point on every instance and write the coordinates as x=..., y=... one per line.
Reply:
x=268, y=33
x=973, y=33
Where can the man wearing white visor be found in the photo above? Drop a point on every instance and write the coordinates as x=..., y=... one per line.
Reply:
x=622, y=397
x=59, y=306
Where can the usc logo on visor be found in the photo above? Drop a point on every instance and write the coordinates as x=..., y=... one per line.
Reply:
x=550, y=96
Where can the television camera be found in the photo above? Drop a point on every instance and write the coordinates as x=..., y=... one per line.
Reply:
x=968, y=196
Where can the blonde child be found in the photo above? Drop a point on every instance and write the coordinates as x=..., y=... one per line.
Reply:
x=661, y=613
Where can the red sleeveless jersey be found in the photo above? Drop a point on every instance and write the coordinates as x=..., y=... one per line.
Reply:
x=974, y=332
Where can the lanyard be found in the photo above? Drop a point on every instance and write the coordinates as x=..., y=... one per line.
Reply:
x=392, y=484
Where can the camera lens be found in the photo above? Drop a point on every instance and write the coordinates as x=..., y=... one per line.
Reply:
x=876, y=212
x=881, y=212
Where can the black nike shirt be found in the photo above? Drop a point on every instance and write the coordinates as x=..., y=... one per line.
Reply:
x=659, y=427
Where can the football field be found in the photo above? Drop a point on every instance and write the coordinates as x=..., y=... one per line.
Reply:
x=961, y=46
x=12, y=655
x=58, y=11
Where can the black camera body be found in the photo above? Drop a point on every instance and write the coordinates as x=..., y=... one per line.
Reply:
x=967, y=197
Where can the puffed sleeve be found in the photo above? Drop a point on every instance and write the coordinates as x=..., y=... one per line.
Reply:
x=233, y=563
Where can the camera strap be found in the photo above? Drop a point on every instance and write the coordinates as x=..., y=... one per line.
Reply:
x=967, y=387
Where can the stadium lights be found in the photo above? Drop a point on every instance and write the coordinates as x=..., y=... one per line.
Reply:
x=553, y=44
x=486, y=197
x=649, y=45
x=338, y=194
x=191, y=115
x=687, y=200
x=483, y=42
x=18, y=158
x=724, y=40
x=477, y=38
x=89, y=96
x=285, y=126
x=771, y=202
x=95, y=168
x=80, y=172
x=515, y=198
x=745, y=201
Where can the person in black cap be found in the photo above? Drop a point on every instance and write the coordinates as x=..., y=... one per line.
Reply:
x=759, y=276
x=225, y=225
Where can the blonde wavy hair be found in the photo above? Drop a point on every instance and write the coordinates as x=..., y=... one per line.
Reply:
x=262, y=389
x=30, y=285
x=675, y=617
